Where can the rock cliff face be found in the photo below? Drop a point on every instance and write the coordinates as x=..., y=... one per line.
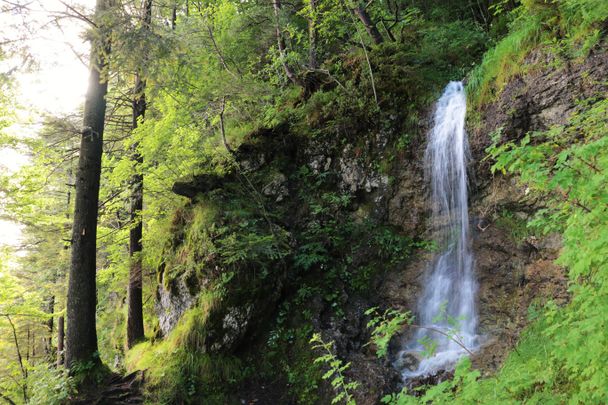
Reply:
x=514, y=269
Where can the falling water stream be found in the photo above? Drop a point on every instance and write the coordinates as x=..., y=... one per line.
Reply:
x=448, y=303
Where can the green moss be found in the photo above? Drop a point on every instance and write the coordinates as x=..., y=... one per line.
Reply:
x=568, y=29
x=504, y=61
x=179, y=370
x=191, y=241
x=228, y=229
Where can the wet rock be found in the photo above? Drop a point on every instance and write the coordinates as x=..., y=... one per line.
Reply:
x=543, y=97
x=319, y=163
x=407, y=360
x=376, y=379
x=253, y=163
x=357, y=175
x=407, y=208
x=550, y=245
x=416, y=386
x=171, y=303
x=234, y=325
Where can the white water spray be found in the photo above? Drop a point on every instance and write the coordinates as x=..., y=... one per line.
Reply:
x=448, y=302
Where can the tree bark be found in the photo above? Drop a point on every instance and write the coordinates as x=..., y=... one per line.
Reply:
x=82, y=294
x=135, y=318
x=60, y=338
x=370, y=27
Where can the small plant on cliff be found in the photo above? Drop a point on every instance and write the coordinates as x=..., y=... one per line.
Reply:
x=384, y=326
x=343, y=388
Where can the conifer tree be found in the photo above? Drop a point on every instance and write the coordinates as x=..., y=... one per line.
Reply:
x=135, y=319
x=81, y=336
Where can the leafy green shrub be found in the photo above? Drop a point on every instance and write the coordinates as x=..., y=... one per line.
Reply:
x=49, y=386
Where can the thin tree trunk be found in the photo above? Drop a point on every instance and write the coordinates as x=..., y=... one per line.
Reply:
x=27, y=347
x=60, y=337
x=312, y=36
x=50, y=308
x=135, y=321
x=389, y=32
x=135, y=318
x=82, y=294
x=369, y=64
x=220, y=55
x=222, y=127
x=174, y=15
x=370, y=27
x=276, y=5
x=19, y=358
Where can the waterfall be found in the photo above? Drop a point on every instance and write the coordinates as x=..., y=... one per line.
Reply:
x=448, y=302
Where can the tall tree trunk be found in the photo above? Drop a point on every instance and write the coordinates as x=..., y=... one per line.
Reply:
x=370, y=27
x=135, y=318
x=82, y=294
x=60, y=337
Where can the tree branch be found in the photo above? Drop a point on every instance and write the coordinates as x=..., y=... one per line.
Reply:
x=222, y=129
x=457, y=341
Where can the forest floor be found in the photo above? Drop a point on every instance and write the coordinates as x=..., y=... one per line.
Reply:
x=116, y=389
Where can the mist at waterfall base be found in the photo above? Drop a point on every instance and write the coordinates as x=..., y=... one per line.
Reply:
x=448, y=302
